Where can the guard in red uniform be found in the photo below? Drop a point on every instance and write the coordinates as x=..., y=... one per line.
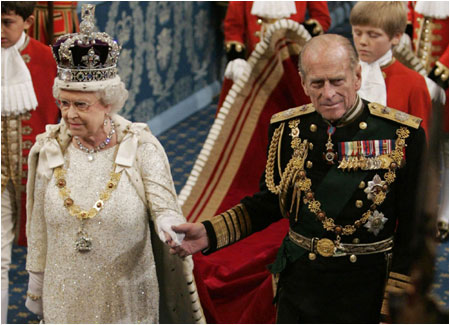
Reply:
x=428, y=27
x=53, y=19
x=243, y=29
x=428, y=24
x=28, y=72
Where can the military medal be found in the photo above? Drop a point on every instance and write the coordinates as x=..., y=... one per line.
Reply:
x=365, y=154
x=376, y=222
x=330, y=155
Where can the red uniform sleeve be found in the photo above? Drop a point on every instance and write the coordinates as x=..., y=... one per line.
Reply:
x=318, y=10
x=410, y=12
x=444, y=58
x=420, y=103
x=234, y=23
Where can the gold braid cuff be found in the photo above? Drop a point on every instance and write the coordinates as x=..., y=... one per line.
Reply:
x=231, y=225
x=397, y=284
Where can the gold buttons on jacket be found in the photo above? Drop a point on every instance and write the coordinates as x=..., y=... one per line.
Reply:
x=362, y=185
x=313, y=128
x=312, y=256
x=311, y=146
x=26, y=130
x=359, y=204
x=353, y=258
x=363, y=125
x=355, y=241
x=27, y=144
x=26, y=116
x=309, y=164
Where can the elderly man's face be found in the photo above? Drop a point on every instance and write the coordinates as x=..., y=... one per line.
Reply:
x=330, y=82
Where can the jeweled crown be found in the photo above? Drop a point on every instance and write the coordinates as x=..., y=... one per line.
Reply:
x=88, y=55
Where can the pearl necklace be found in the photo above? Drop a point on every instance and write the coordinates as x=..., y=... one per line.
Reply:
x=90, y=152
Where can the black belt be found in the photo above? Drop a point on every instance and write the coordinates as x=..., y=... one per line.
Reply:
x=327, y=248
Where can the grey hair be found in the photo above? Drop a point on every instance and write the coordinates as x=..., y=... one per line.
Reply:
x=331, y=41
x=114, y=95
x=109, y=92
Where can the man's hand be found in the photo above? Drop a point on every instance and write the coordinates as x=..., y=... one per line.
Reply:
x=194, y=241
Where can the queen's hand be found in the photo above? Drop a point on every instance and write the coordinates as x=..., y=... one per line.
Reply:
x=34, y=294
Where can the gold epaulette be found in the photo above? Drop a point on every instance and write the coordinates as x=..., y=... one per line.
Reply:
x=394, y=115
x=292, y=112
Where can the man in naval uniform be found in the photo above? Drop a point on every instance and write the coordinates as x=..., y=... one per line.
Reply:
x=344, y=171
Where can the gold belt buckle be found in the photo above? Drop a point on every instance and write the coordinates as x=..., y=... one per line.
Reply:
x=325, y=247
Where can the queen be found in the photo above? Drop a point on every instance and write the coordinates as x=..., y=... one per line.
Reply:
x=101, y=203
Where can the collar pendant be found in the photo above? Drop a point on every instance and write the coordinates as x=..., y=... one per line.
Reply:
x=330, y=155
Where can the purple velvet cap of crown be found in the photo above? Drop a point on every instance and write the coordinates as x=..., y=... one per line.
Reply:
x=79, y=51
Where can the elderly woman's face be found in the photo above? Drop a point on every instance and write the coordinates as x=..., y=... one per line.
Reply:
x=83, y=112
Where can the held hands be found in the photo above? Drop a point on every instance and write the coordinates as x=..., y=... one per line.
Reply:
x=165, y=224
x=194, y=241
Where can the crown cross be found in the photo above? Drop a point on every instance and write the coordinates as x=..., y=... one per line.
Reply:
x=87, y=16
x=91, y=59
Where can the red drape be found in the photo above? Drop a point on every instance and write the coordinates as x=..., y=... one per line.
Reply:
x=234, y=283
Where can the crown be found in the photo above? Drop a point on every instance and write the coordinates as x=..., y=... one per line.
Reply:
x=88, y=55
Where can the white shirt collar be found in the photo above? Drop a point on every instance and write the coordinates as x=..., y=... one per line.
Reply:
x=373, y=86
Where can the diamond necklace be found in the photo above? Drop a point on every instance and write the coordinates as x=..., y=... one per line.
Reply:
x=90, y=152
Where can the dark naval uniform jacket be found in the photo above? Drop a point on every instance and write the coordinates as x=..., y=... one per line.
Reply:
x=349, y=193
